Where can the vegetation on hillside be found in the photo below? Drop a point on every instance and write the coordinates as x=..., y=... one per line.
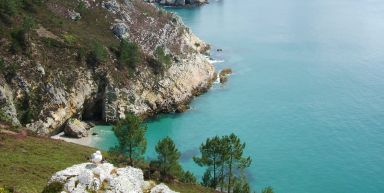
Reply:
x=28, y=162
x=130, y=133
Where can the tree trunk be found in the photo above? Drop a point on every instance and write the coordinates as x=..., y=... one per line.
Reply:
x=130, y=155
x=214, y=173
x=230, y=175
x=222, y=178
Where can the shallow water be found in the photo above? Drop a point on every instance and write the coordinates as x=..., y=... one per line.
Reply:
x=307, y=93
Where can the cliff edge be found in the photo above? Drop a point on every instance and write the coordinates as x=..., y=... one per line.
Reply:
x=51, y=76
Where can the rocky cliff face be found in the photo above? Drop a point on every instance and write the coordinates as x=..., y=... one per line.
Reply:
x=45, y=88
x=89, y=177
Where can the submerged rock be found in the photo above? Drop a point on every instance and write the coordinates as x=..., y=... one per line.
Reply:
x=89, y=177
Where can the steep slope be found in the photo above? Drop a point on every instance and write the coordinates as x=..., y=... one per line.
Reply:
x=48, y=75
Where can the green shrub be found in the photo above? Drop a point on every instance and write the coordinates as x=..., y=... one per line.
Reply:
x=19, y=40
x=81, y=7
x=163, y=58
x=21, y=36
x=53, y=43
x=129, y=54
x=81, y=53
x=9, y=7
x=161, y=61
x=53, y=187
x=31, y=5
x=70, y=39
x=188, y=177
x=98, y=54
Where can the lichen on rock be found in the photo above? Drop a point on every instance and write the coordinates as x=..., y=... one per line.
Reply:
x=105, y=178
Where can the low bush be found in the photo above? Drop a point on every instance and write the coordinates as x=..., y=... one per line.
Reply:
x=81, y=7
x=188, y=177
x=8, y=7
x=129, y=54
x=162, y=57
x=54, y=187
x=53, y=43
x=98, y=54
x=19, y=40
x=70, y=39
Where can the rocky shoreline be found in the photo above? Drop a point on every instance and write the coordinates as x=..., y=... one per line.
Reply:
x=103, y=93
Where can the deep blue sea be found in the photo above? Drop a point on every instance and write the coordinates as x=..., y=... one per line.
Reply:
x=307, y=93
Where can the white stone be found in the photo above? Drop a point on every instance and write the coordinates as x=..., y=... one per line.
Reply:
x=161, y=188
x=88, y=176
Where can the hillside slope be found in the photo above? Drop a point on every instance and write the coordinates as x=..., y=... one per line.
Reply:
x=58, y=69
x=27, y=163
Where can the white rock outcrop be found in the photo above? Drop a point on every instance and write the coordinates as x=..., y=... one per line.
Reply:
x=88, y=177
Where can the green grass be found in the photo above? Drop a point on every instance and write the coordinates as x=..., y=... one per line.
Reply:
x=27, y=163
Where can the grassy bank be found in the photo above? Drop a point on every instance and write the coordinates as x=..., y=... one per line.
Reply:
x=28, y=162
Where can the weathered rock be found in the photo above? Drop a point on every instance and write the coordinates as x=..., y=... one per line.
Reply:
x=111, y=5
x=120, y=30
x=75, y=128
x=72, y=89
x=7, y=107
x=161, y=188
x=74, y=15
x=92, y=177
x=223, y=75
x=40, y=69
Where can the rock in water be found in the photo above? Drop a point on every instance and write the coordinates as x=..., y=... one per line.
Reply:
x=89, y=177
x=75, y=128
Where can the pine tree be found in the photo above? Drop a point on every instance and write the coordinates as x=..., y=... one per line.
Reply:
x=235, y=152
x=168, y=158
x=130, y=134
x=210, y=156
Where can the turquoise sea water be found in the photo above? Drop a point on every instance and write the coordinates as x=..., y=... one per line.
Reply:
x=307, y=93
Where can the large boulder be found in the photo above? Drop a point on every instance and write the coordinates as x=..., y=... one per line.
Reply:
x=76, y=129
x=90, y=177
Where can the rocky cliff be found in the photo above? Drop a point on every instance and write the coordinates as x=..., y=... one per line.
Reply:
x=50, y=80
